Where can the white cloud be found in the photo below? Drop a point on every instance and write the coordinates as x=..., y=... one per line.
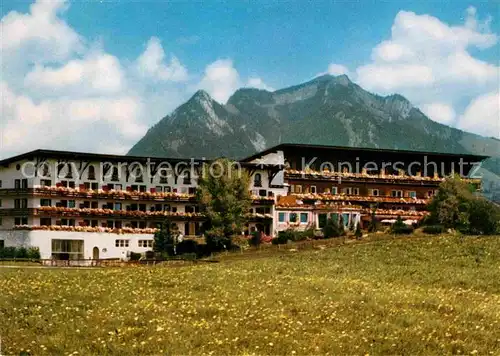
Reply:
x=98, y=73
x=60, y=92
x=41, y=34
x=258, y=83
x=431, y=63
x=151, y=64
x=440, y=112
x=221, y=80
x=337, y=69
x=482, y=116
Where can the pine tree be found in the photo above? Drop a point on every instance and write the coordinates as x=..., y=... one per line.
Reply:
x=358, y=234
x=164, y=239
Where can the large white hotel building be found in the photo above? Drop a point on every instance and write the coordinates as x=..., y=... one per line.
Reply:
x=75, y=205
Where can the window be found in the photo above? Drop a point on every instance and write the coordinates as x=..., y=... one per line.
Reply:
x=430, y=193
x=142, y=207
x=145, y=243
x=94, y=223
x=166, y=207
x=158, y=189
x=298, y=189
x=118, y=187
x=1, y=241
x=313, y=189
x=94, y=205
x=45, y=170
x=355, y=191
x=192, y=190
x=138, y=175
x=69, y=174
x=257, y=180
x=412, y=194
x=91, y=173
x=1, y=186
x=71, y=184
x=71, y=204
x=303, y=218
x=115, y=176
x=118, y=206
x=45, y=221
x=163, y=176
x=347, y=191
x=375, y=192
x=396, y=193
x=17, y=184
x=45, y=202
x=67, y=249
x=21, y=220
x=17, y=203
x=0, y=203
x=24, y=184
x=187, y=178
x=189, y=209
x=142, y=188
x=94, y=186
x=293, y=217
x=45, y=182
x=322, y=218
x=121, y=243
x=281, y=217
x=335, y=190
x=262, y=193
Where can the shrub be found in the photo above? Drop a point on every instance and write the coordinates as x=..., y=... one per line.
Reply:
x=434, y=229
x=33, y=253
x=149, y=255
x=282, y=238
x=400, y=227
x=373, y=225
x=217, y=243
x=308, y=233
x=332, y=229
x=358, y=233
x=21, y=252
x=255, y=239
x=484, y=217
x=187, y=246
x=134, y=256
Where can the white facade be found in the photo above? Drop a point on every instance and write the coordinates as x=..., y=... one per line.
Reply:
x=43, y=189
x=95, y=245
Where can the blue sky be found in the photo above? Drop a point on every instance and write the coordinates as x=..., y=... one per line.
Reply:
x=220, y=46
x=285, y=42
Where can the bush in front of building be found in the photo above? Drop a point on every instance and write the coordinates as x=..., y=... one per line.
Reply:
x=255, y=239
x=358, y=234
x=333, y=228
x=186, y=246
x=399, y=227
x=32, y=253
x=433, y=229
x=135, y=256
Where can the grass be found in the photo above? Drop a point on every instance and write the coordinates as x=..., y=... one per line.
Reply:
x=430, y=295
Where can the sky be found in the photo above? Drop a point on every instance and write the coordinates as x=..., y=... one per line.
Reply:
x=95, y=75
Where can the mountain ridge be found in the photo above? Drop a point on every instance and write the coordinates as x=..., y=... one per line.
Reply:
x=328, y=110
